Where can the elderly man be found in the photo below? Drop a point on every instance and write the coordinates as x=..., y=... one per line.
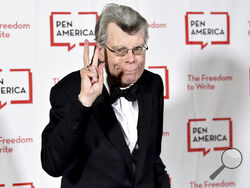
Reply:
x=106, y=121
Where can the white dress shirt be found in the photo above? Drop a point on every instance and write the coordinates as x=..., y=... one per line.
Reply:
x=127, y=115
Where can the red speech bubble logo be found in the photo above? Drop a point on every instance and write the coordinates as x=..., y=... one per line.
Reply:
x=29, y=185
x=163, y=72
x=201, y=136
x=5, y=103
x=200, y=28
x=67, y=29
x=9, y=91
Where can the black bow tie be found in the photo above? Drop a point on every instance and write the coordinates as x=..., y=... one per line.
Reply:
x=130, y=93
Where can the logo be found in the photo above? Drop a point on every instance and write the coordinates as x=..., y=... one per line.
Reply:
x=55, y=80
x=8, y=143
x=156, y=25
x=203, y=28
x=163, y=72
x=15, y=87
x=24, y=185
x=207, y=184
x=68, y=30
x=248, y=28
x=204, y=82
x=6, y=28
x=165, y=133
x=203, y=134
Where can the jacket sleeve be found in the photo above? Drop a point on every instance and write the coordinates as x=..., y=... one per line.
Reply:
x=160, y=175
x=60, y=138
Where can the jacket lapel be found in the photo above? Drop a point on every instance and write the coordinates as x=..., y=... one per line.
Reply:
x=143, y=127
x=108, y=122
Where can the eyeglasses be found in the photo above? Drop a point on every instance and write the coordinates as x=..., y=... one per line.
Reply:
x=138, y=50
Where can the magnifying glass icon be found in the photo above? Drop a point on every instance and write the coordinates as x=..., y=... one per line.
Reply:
x=231, y=158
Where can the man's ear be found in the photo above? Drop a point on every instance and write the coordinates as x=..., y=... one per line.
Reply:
x=101, y=53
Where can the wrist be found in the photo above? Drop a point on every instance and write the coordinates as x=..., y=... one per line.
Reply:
x=85, y=101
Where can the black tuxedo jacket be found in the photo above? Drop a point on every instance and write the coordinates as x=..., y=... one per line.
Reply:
x=85, y=145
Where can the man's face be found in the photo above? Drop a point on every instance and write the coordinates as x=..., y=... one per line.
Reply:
x=125, y=69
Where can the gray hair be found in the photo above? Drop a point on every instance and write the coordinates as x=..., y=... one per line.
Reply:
x=129, y=20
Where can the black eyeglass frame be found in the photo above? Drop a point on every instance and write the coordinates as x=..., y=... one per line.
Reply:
x=144, y=49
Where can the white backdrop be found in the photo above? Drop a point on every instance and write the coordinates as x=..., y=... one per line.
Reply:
x=200, y=48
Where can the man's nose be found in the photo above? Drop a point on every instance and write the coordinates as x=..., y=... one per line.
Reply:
x=130, y=57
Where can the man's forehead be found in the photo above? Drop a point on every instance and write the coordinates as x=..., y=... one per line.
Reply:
x=116, y=35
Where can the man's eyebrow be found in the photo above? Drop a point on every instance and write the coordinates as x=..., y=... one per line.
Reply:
x=121, y=46
x=117, y=46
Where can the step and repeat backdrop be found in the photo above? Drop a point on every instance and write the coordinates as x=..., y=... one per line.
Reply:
x=201, y=49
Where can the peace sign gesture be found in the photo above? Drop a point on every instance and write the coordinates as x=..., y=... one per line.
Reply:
x=91, y=76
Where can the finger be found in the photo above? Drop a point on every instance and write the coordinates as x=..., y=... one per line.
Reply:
x=100, y=73
x=96, y=56
x=93, y=56
x=95, y=74
x=91, y=68
x=86, y=53
x=87, y=72
x=91, y=76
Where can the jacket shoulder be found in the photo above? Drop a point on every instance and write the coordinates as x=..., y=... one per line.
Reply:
x=70, y=79
x=70, y=84
x=149, y=77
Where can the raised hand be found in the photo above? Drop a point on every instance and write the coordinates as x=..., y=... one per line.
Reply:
x=91, y=76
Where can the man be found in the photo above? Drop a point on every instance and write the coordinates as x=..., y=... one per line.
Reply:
x=105, y=124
